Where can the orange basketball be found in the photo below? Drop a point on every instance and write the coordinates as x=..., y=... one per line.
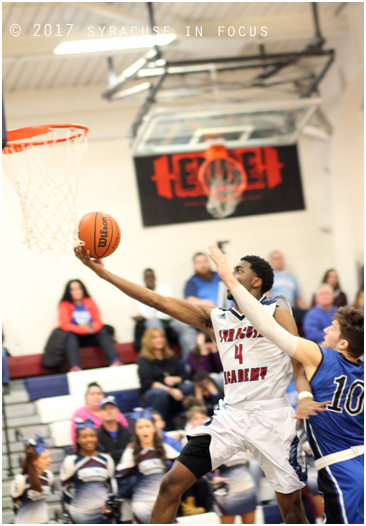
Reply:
x=100, y=233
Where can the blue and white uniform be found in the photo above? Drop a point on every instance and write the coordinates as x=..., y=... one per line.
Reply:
x=86, y=482
x=30, y=506
x=241, y=496
x=150, y=472
x=336, y=437
x=257, y=374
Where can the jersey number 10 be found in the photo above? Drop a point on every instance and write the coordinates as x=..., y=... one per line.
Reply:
x=350, y=406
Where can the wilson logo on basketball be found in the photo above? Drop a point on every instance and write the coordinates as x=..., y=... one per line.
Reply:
x=103, y=233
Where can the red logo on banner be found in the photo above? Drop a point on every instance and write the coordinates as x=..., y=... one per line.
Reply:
x=176, y=175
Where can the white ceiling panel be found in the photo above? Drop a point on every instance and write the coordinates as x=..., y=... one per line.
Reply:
x=29, y=62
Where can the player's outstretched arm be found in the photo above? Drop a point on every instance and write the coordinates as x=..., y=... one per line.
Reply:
x=306, y=352
x=197, y=316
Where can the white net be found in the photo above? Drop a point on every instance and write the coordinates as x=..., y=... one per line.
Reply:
x=219, y=209
x=224, y=185
x=46, y=178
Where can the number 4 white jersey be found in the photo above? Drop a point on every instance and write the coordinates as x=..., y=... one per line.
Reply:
x=254, y=368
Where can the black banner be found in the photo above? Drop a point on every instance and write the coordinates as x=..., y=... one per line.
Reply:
x=171, y=193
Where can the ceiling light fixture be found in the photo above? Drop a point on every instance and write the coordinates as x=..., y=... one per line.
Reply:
x=113, y=44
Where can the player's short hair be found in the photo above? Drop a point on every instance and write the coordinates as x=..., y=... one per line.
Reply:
x=350, y=321
x=263, y=270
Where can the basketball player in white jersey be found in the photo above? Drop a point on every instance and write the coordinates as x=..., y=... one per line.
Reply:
x=255, y=414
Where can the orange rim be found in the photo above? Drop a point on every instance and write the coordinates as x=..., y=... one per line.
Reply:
x=34, y=131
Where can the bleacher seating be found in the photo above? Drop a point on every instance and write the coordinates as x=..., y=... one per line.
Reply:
x=122, y=382
x=58, y=408
x=91, y=357
x=109, y=378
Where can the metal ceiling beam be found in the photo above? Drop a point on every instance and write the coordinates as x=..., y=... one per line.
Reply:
x=109, y=10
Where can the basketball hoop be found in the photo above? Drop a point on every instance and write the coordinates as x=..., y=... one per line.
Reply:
x=223, y=179
x=44, y=164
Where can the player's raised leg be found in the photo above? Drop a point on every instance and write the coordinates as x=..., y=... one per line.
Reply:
x=172, y=487
x=291, y=507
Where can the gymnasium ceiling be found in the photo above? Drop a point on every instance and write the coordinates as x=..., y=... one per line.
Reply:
x=29, y=62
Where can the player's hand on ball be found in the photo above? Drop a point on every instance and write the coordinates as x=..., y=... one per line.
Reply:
x=308, y=407
x=95, y=264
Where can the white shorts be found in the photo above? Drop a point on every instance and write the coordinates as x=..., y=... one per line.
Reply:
x=267, y=430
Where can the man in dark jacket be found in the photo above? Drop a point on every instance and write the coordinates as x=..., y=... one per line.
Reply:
x=113, y=438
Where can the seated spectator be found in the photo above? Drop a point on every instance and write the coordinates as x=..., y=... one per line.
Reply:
x=205, y=286
x=94, y=395
x=205, y=357
x=30, y=488
x=146, y=461
x=180, y=421
x=197, y=499
x=359, y=300
x=112, y=437
x=234, y=490
x=161, y=376
x=331, y=277
x=152, y=318
x=87, y=478
x=285, y=284
x=206, y=391
x=80, y=317
x=320, y=316
x=160, y=426
x=5, y=372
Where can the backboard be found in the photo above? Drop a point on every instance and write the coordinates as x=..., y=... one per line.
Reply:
x=275, y=123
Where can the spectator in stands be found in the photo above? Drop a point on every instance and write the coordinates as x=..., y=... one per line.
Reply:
x=359, y=300
x=152, y=318
x=80, y=317
x=30, y=489
x=205, y=286
x=234, y=490
x=320, y=316
x=205, y=357
x=331, y=277
x=285, y=284
x=197, y=499
x=5, y=372
x=160, y=426
x=146, y=462
x=91, y=476
x=206, y=391
x=94, y=395
x=180, y=421
x=112, y=437
x=161, y=375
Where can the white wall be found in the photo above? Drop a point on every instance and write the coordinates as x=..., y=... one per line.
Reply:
x=33, y=283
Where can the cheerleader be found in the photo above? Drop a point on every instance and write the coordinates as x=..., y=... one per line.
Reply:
x=87, y=478
x=30, y=489
x=235, y=492
x=145, y=462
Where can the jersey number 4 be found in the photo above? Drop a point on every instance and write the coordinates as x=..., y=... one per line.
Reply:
x=239, y=353
x=354, y=397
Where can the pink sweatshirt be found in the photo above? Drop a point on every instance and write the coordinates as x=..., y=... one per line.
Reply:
x=85, y=413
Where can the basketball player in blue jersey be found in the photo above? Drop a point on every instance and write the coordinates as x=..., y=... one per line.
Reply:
x=334, y=371
x=257, y=374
